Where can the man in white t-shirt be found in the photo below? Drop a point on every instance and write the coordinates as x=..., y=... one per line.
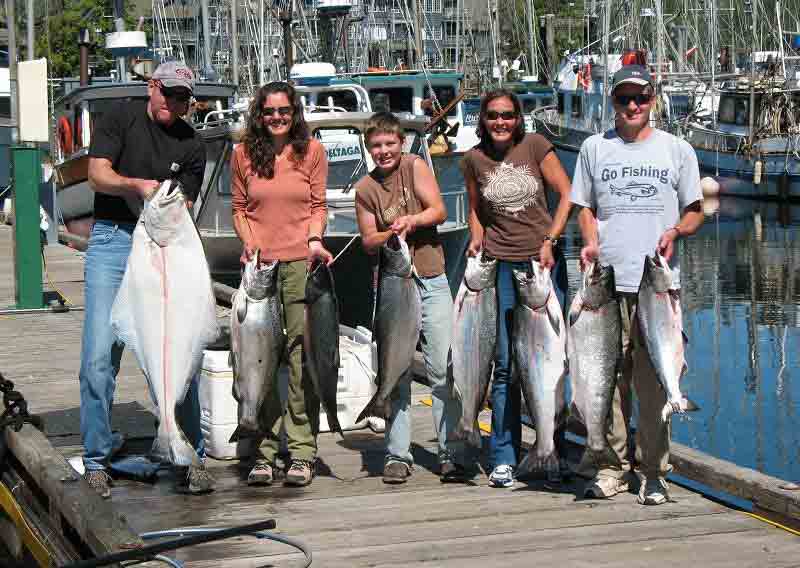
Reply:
x=638, y=188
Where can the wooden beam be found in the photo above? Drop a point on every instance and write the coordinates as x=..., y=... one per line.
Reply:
x=762, y=490
x=95, y=520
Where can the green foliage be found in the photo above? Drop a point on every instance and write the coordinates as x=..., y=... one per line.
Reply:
x=63, y=52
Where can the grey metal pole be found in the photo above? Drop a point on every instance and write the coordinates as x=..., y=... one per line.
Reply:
x=30, y=12
x=606, y=24
x=206, y=36
x=459, y=11
x=419, y=31
x=235, y=43
x=11, y=25
x=531, y=39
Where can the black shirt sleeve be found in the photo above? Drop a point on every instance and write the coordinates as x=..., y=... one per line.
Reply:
x=193, y=171
x=108, y=135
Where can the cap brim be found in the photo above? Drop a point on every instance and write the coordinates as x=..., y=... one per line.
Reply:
x=632, y=81
x=175, y=83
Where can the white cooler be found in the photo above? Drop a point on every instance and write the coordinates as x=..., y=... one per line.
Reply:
x=218, y=408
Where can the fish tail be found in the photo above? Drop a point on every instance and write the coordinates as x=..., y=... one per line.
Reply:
x=688, y=405
x=242, y=433
x=373, y=408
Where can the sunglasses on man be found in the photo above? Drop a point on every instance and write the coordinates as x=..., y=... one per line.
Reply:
x=283, y=111
x=625, y=100
x=177, y=93
x=505, y=115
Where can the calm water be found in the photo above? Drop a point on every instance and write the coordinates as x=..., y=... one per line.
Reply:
x=741, y=291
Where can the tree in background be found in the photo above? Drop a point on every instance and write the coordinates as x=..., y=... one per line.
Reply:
x=60, y=45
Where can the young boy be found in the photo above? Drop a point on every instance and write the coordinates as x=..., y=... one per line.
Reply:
x=400, y=196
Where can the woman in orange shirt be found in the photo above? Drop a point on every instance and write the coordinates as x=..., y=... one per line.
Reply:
x=278, y=178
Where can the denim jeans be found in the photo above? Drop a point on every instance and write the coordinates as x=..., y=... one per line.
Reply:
x=106, y=260
x=437, y=310
x=504, y=442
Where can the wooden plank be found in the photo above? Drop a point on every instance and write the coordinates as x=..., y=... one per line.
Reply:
x=98, y=524
x=763, y=490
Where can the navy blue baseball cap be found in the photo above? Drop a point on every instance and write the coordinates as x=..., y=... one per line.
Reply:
x=632, y=74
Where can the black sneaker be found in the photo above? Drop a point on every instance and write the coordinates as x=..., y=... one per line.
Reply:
x=194, y=480
x=396, y=472
x=450, y=472
x=100, y=481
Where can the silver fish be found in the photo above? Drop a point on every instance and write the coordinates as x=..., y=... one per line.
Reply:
x=257, y=342
x=661, y=323
x=473, y=347
x=165, y=312
x=540, y=357
x=594, y=345
x=321, y=339
x=398, y=319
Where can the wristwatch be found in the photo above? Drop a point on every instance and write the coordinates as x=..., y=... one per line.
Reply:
x=553, y=240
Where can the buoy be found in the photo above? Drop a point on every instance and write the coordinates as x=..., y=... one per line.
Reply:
x=710, y=186
x=710, y=205
x=757, y=172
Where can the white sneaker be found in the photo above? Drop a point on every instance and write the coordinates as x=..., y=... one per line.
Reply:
x=502, y=476
x=653, y=491
x=605, y=487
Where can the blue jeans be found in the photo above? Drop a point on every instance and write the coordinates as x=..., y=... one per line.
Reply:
x=437, y=310
x=106, y=260
x=504, y=442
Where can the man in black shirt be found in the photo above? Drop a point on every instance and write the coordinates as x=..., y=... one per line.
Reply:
x=132, y=149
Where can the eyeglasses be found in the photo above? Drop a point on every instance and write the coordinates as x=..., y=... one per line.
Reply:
x=283, y=111
x=177, y=93
x=505, y=115
x=625, y=100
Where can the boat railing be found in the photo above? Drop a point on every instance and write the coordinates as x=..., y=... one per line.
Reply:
x=459, y=198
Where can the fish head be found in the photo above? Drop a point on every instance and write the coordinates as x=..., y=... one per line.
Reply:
x=657, y=273
x=533, y=284
x=260, y=277
x=164, y=212
x=320, y=281
x=396, y=257
x=481, y=272
x=599, y=286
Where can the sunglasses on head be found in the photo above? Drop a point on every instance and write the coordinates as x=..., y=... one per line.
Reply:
x=505, y=115
x=625, y=100
x=177, y=93
x=283, y=111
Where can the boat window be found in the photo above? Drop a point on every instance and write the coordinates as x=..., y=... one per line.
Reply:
x=546, y=101
x=346, y=161
x=444, y=94
x=742, y=112
x=393, y=99
x=727, y=110
x=346, y=100
x=560, y=103
x=5, y=107
x=528, y=105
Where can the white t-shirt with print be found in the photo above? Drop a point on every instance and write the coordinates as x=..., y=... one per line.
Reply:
x=638, y=190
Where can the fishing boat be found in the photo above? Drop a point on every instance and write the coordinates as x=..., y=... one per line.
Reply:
x=341, y=133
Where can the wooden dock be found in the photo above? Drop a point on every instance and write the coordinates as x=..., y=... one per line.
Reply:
x=348, y=517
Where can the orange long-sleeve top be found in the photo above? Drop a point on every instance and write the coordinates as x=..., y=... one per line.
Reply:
x=285, y=211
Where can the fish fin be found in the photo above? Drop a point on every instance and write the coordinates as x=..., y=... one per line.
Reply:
x=241, y=308
x=575, y=412
x=685, y=337
x=574, y=315
x=688, y=405
x=555, y=322
x=667, y=411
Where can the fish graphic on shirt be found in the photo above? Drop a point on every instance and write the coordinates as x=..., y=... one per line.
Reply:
x=634, y=190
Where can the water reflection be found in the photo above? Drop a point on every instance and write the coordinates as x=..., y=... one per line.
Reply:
x=740, y=299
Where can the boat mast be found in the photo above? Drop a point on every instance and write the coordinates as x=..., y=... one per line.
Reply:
x=459, y=10
x=261, y=61
x=606, y=25
x=531, y=13
x=234, y=44
x=713, y=58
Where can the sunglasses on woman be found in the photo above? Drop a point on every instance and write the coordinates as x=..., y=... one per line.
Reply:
x=283, y=111
x=505, y=115
x=625, y=100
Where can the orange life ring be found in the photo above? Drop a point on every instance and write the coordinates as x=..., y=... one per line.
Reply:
x=65, y=142
x=78, y=130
